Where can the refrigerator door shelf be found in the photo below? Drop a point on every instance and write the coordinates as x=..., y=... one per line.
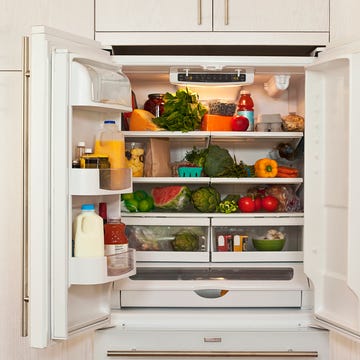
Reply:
x=99, y=85
x=96, y=181
x=101, y=270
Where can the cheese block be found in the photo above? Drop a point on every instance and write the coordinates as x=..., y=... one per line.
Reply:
x=216, y=123
x=142, y=120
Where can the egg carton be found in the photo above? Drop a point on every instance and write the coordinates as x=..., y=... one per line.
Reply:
x=268, y=122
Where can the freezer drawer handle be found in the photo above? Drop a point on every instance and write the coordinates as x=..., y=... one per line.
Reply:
x=214, y=354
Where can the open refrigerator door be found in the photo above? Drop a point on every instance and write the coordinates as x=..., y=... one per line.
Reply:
x=74, y=86
x=331, y=245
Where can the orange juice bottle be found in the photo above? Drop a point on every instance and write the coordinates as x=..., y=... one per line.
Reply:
x=110, y=141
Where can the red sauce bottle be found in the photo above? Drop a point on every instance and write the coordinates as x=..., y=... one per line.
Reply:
x=115, y=239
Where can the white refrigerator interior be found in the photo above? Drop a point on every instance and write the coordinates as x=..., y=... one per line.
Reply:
x=194, y=303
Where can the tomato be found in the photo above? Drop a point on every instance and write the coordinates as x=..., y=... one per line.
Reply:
x=239, y=123
x=246, y=204
x=270, y=203
x=258, y=203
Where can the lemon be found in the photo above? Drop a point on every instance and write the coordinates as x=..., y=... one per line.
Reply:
x=132, y=205
x=140, y=195
x=145, y=205
x=128, y=196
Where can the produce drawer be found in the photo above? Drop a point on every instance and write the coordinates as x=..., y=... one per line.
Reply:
x=247, y=229
x=161, y=239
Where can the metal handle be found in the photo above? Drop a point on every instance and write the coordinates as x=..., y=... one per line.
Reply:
x=25, y=242
x=214, y=354
x=226, y=17
x=199, y=12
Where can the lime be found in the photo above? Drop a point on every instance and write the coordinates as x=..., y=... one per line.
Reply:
x=140, y=195
x=145, y=205
x=132, y=205
x=128, y=196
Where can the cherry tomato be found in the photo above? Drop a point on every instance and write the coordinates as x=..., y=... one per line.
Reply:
x=270, y=203
x=246, y=204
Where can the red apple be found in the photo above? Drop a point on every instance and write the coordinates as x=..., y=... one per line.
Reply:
x=239, y=123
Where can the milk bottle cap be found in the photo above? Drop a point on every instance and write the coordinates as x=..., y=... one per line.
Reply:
x=88, y=207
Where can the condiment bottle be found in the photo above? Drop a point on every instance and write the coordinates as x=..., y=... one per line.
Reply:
x=88, y=233
x=79, y=152
x=115, y=239
x=103, y=211
x=246, y=108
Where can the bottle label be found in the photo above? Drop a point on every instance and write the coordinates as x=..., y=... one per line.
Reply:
x=114, y=249
x=250, y=115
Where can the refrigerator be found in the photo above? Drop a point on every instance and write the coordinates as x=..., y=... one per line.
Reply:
x=205, y=303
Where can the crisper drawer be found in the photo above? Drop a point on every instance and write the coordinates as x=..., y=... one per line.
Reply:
x=161, y=239
x=226, y=229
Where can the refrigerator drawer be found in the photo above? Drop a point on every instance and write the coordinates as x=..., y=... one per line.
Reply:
x=217, y=333
x=211, y=298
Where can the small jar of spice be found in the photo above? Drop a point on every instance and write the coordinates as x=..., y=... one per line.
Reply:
x=155, y=104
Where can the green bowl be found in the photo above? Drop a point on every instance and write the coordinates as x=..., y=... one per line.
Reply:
x=268, y=245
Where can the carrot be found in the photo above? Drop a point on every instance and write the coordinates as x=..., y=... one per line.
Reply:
x=287, y=170
x=284, y=175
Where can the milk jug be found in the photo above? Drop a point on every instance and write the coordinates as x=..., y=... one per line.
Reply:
x=88, y=233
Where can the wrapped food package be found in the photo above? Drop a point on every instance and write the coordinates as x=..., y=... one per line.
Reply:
x=288, y=200
x=293, y=122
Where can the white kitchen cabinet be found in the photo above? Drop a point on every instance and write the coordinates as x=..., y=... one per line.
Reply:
x=18, y=16
x=153, y=15
x=204, y=22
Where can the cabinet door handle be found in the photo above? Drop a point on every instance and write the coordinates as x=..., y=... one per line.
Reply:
x=214, y=354
x=25, y=241
x=199, y=10
x=226, y=9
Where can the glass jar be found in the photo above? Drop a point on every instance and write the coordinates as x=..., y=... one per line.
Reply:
x=155, y=104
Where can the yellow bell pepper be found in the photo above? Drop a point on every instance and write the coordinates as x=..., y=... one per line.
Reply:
x=266, y=168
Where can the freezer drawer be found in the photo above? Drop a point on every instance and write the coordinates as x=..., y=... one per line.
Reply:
x=199, y=335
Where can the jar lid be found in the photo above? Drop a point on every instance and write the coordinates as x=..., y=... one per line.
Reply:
x=244, y=92
x=155, y=95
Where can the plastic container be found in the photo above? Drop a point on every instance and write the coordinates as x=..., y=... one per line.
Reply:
x=187, y=171
x=110, y=141
x=88, y=233
x=135, y=158
x=246, y=108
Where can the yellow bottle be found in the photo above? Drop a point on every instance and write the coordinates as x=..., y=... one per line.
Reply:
x=110, y=141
